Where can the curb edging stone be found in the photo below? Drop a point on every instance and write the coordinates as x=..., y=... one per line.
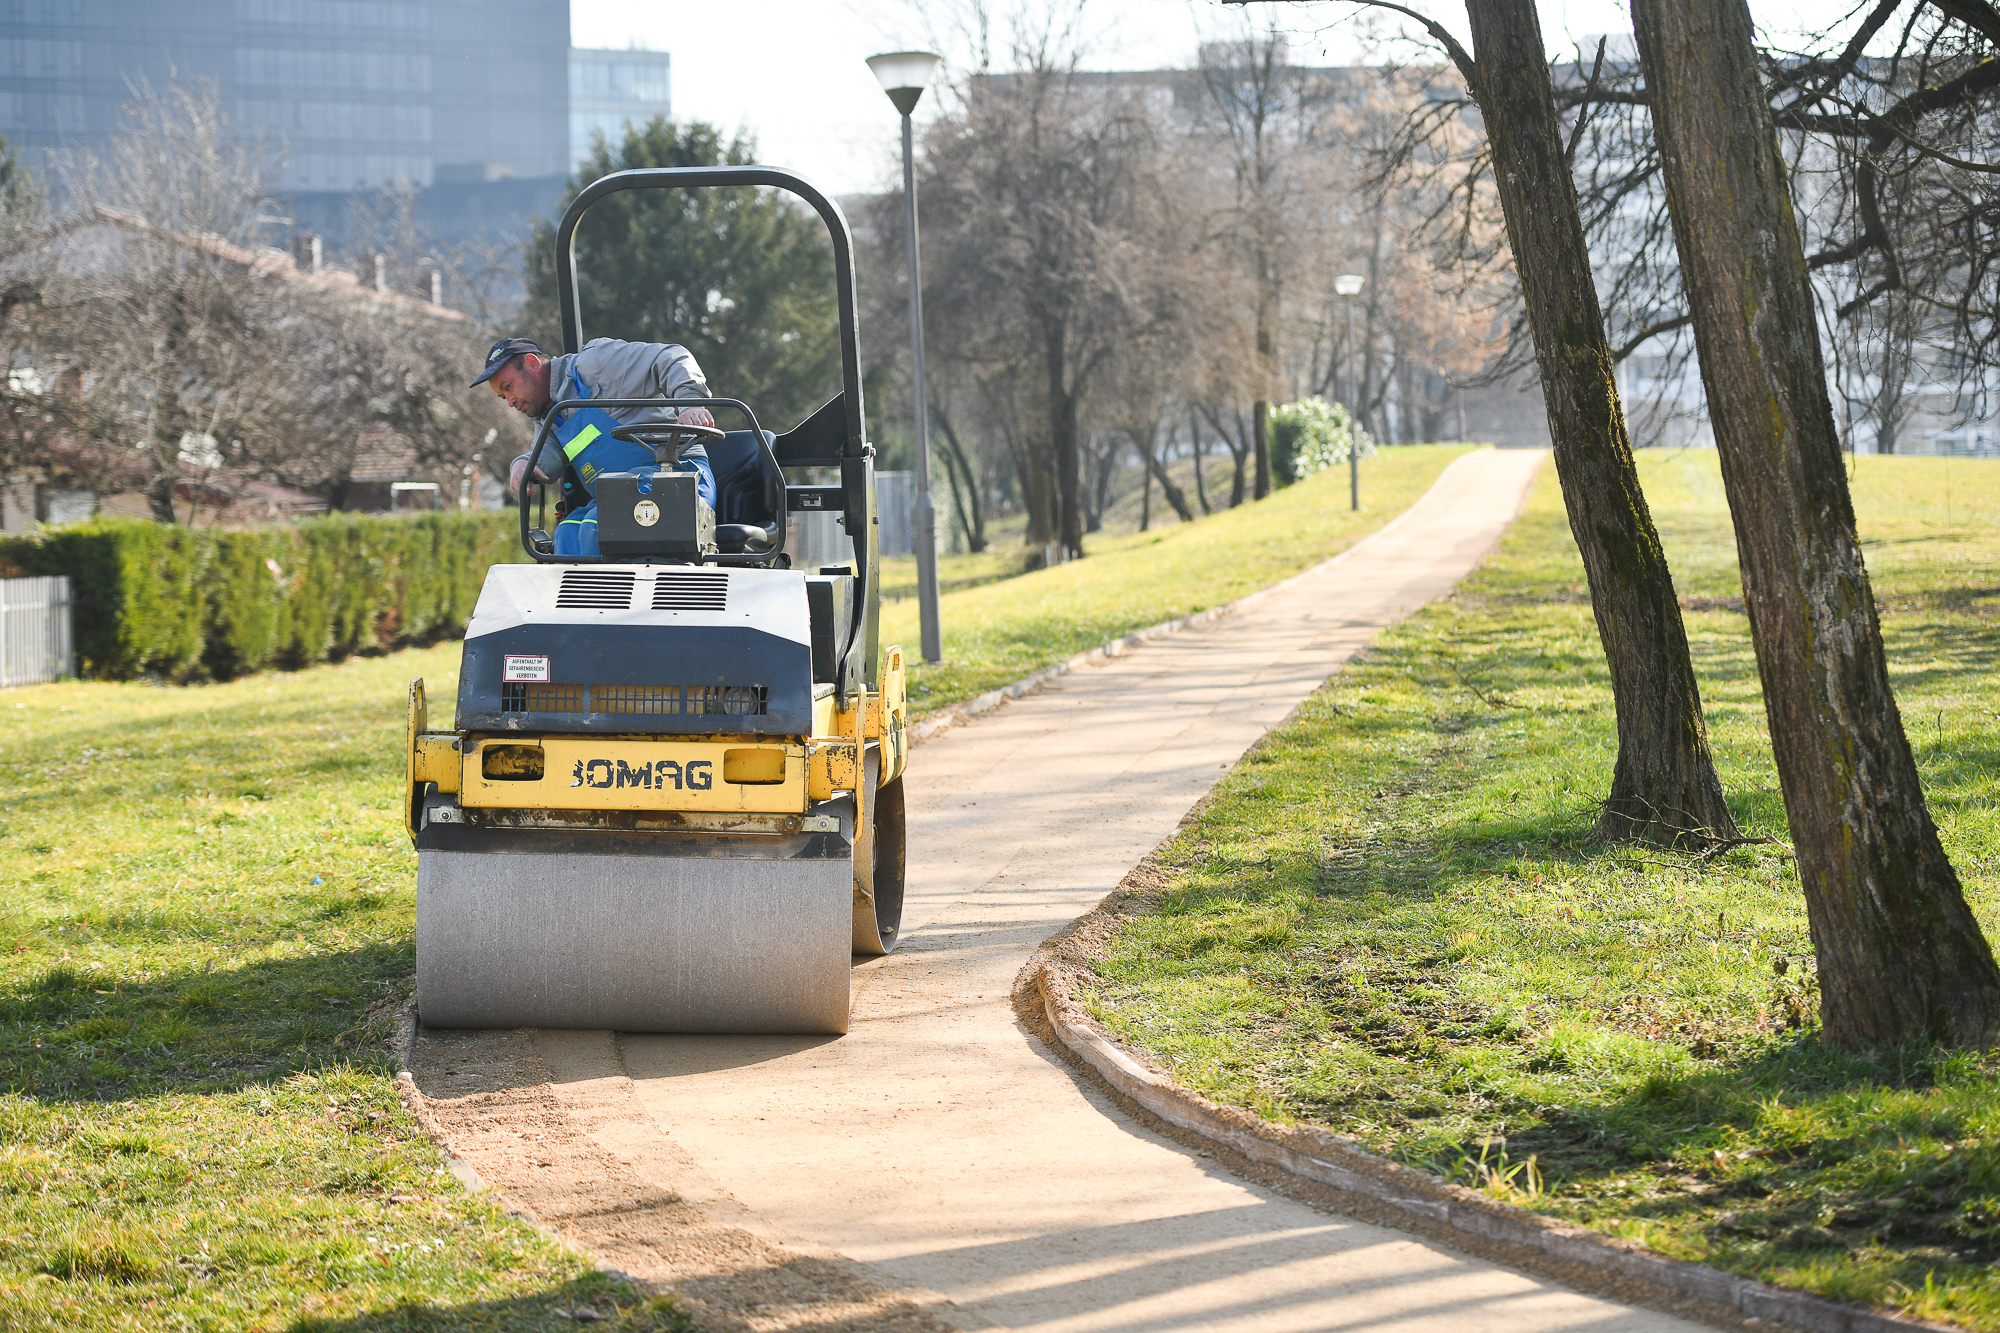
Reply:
x=1429, y=1205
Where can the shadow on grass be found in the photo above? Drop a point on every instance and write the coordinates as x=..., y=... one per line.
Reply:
x=594, y=1301
x=69, y=1036
x=1799, y=1149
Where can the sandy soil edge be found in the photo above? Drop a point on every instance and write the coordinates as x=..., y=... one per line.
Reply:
x=547, y=1121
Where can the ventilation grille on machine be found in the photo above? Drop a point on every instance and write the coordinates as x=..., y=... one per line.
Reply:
x=658, y=700
x=691, y=592
x=595, y=589
x=518, y=698
x=635, y=698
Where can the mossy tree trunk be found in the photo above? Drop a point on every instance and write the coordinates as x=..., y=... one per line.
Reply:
x=1664, y=788
x=1900, y=955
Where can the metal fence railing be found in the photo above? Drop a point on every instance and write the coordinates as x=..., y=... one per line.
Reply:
x=35, y=639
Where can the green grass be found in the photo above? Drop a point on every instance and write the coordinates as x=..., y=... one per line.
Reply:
x=205, y=921
x=997, y=629
x=1390, y=921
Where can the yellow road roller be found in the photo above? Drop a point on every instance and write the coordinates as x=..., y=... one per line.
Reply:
x=670, y=798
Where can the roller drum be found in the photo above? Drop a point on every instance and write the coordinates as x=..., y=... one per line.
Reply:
x=633, y=942
x=879, y=859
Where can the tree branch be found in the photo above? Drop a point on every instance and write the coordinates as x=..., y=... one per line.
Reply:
x=1650, y=331
x=1978, y=15
x=1460, y=57
x=1585, y=106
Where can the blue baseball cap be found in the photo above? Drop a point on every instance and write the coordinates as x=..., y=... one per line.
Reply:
x=502, y=352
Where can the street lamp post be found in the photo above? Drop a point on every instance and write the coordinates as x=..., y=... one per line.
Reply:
x=1349, y=286
x=904, y=75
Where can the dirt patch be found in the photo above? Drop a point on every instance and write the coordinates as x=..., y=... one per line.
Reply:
x=547, y=1121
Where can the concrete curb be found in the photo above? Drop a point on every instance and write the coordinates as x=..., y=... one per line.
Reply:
x=933, y=724
x=402, y=1042
x=1409, y=1199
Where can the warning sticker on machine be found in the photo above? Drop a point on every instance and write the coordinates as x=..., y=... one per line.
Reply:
x=526, y=668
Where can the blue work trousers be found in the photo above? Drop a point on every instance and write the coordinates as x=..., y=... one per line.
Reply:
x=577, y=533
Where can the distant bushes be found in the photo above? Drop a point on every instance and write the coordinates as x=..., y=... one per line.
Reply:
x=193, y=603
x=1312, y=435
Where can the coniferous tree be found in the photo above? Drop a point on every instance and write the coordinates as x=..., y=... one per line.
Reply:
x=741, y=277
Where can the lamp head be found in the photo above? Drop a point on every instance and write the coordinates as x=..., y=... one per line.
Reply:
x=904, y=75
x=1349, y=285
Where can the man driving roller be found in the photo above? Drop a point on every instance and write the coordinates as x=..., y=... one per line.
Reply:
x=532, y=383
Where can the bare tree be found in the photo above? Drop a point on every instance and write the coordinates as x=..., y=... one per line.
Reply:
x=1664, y=787
x=176, y=335
x=1253, y=103
x=1900, y=955
x=178, y=348
x=1037, y=190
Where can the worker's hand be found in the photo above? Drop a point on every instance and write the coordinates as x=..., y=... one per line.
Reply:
x=520, y=467
x=696, y=416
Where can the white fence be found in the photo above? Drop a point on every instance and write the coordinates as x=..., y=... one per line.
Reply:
x=35, y=643
x=896, y=504
x=817, y=538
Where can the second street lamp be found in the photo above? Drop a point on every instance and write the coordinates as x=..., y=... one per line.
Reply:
x=904, y=75
x=1348, y=286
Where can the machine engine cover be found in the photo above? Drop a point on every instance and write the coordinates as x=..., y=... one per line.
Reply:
x=638, y=650
x=653, y=512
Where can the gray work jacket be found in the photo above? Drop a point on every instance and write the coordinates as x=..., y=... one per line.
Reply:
x=609, y=368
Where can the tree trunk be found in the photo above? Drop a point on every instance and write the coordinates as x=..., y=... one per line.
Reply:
x=1664, y=788
x=1062, y=437
x=1031, y=463
x=1102, y=466
x=1900, y=955
x=1260, y=435
x=160, y=499
x=1069, y=479
x=1200, y=486
x=964, y=486
x=1145, y=443
x=1366, y=403
x=1173, y=494
x=160, y=486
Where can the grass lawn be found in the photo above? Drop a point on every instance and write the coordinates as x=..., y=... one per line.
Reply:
x=998, y=629
x=206, y=918
x=1389, y=921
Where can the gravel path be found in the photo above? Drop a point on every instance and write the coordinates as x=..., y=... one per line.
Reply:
x=939, y=1166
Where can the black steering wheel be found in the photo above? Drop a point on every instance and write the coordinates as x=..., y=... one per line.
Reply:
x=665, y=438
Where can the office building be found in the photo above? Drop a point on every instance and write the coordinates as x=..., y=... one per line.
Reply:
x=344, y=94
x=607, y=89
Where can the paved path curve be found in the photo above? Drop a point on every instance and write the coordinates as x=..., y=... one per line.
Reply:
x=939, y=1145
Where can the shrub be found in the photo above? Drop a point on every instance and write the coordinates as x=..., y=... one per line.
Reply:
x=1312, y=435
x=193, y=603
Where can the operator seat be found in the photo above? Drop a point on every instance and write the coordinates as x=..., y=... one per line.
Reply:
x=748, y=491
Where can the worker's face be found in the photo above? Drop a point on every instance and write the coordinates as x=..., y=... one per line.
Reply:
x=524, y=383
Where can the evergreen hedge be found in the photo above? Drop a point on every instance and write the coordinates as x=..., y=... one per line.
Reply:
x=191, y=603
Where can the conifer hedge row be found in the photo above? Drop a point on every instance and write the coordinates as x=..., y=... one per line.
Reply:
x=201, y=603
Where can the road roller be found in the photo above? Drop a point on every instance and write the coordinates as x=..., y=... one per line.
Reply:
x=671, y=795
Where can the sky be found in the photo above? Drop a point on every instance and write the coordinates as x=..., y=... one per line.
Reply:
x=792, y=71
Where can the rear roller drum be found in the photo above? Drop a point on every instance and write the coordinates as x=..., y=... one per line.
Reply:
x=878, y=861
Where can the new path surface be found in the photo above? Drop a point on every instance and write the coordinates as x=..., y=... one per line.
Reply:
x=939, y=1144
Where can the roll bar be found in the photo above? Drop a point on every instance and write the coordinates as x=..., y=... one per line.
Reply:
x=680, y=178
x=856, y=457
